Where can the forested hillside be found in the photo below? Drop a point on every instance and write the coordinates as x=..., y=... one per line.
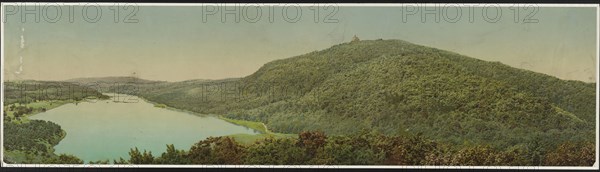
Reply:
x=397, y=88
x=111, y=80
x=29, y=91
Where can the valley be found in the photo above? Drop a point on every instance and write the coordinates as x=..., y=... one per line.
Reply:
x=387, y=101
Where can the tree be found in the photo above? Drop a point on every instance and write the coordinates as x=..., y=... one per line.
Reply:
x=135, y=157
x=228, y=151
x=217, y=150
x=121, y=161
x=172, y=156
x=572, y=154
x=65, y=159
x=312, y=141
x=358, y=149
x=282, y=151
x=17, y=114
x=409, y=150
x=200, y=153
x=484, y=155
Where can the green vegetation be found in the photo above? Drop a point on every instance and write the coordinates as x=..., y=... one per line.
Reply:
x=32, y=136
x=258, y=126
x=25, y=92
x=160, y=105
x=98, y=81
x=248, y=139
x=420, y=106
x=395, y=87
x=32, y=141
x=64, y=159
x=363, y=148
x=17, y=113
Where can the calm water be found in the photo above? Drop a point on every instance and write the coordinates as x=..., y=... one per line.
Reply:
x=107, y=130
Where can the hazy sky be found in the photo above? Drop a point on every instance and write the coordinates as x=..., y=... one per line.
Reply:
x=174, y=44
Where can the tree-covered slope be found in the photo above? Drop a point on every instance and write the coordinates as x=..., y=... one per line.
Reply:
x=28, y=91
x=396, y=87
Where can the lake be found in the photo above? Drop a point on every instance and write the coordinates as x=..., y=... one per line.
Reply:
x=107, y=129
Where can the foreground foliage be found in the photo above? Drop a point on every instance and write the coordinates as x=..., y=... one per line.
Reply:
x=364, y=148
x=32, y=136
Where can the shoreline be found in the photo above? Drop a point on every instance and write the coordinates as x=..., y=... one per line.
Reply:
x=263, y=131
x=166, y=106
x=26, y=118
x=243, y=123
x=260, y=129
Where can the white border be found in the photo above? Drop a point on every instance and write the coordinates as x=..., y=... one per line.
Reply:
x=305, y=166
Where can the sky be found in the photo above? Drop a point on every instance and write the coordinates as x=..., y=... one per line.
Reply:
x=176, y=43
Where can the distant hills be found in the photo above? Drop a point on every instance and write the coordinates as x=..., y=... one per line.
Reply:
x=29, y=91
x=113, y=79
x=393, y=87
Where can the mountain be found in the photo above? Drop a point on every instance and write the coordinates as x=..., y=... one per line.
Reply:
x=121, y=84
x=112, y=79
x=396, y=87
